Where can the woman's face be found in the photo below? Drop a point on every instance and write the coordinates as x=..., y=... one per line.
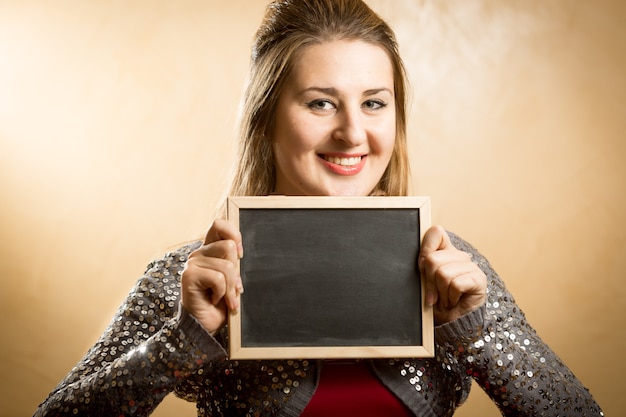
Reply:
x=335, y=123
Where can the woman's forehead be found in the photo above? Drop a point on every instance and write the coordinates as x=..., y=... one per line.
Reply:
x=342, y=62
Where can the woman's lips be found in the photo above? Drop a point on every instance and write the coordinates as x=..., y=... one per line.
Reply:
x=344, y=165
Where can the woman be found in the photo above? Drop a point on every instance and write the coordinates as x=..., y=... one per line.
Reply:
x=323, y=114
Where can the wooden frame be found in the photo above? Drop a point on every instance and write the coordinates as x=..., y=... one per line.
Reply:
x=307, y=235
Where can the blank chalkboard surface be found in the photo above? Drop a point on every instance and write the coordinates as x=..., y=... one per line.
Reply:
x=330, y=277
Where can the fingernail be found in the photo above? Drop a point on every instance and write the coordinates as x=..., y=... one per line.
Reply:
x=240, y=250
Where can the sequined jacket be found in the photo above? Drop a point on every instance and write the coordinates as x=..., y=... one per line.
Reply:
x=153, y=347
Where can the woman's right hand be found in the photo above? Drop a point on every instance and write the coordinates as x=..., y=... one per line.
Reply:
x=211, y=283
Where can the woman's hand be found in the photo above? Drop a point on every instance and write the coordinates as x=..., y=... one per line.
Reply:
x=454, y=284
x=211, y=283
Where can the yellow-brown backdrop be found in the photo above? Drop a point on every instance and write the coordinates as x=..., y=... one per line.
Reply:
x=116, y=136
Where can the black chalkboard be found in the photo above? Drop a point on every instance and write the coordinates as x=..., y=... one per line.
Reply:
x=330, y=277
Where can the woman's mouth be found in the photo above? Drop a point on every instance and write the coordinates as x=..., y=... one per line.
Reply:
x=346, y=162
x=344, y=165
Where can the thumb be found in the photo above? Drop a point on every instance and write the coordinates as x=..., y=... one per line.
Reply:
x=434, y=239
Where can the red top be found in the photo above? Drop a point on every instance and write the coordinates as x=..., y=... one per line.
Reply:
x=351, y=389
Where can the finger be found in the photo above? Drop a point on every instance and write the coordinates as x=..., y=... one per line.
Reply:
x=462, y=285
x=452, y=282
x=435, y=239
x=440, y=268
x=465, y=285
x=432, y=295
x=234, y=285
x=207, y=283
x=221, y=257
x=221, y=249
x=442, y=280
x=219, y=241
x=224, y=230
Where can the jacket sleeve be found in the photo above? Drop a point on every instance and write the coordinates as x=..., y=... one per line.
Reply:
x=151, y=345
x=508, y=359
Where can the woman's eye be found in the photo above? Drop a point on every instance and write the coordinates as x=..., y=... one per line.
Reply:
x=320, y=105
x=374, y=104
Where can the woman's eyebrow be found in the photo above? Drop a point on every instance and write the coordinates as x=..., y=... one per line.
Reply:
x=374, y=91
x=331, y=91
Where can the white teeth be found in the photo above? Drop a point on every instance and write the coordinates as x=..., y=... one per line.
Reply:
x=343, y=161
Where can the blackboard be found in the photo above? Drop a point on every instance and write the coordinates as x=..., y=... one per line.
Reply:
x=330, y=277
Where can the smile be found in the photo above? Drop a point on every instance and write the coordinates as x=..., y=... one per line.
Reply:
x=346, y=162
x=344, y=165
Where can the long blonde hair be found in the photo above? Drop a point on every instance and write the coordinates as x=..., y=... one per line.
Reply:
x=288, y=27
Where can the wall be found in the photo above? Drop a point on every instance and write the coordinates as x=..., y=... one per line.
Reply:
x=116, y=127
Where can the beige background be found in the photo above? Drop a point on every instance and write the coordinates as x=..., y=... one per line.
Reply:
x=116, y=127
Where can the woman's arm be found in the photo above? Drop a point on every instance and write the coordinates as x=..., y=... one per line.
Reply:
x=150, y=346
x=507, y=358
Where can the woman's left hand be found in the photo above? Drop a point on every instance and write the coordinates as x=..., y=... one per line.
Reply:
x=454, y=284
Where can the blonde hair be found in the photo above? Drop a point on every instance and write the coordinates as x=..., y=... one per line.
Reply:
x=288, y=27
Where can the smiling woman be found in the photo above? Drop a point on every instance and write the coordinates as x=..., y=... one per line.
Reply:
x=326, y=101
x=115, y=127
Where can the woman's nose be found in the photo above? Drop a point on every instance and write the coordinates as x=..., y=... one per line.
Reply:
x=350, y=128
